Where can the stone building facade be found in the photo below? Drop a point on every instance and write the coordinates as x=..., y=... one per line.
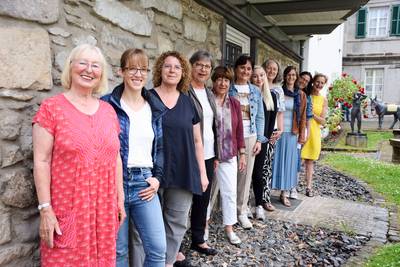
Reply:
x=35, y=38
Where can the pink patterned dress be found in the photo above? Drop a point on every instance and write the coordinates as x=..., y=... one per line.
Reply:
x=83, y=183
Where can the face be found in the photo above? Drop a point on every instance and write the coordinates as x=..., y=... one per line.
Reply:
x=303, y=81
x=258, y=77
x=319, y=83
x=291, y=77
x=243, y=72
x=201, y=71
x=221, y=86
x=86, y=70
x=135, y=75
x=171, y=72
x=271, y=71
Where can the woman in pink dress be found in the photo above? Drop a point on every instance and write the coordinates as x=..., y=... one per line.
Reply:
x=77, y=167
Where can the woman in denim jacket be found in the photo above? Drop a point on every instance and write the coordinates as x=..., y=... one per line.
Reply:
x=251, y=105
x=140, y=116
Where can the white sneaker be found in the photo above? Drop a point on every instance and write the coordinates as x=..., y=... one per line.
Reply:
x=245, y=222
x=233, y=238
x=260, y=214
x=206, y=233
x=293, y=193
x=249, y=213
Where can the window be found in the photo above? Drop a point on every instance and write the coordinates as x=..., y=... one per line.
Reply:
x=361, y=18
x=233, y=51
x=374, y=83
x=378, y=21
x=236, y=43
x=395, y=23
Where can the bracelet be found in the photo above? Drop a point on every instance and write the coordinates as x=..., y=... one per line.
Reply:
x=43, y=205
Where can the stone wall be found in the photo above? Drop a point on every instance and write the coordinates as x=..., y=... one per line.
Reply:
x=35, y=38
x=264, y=52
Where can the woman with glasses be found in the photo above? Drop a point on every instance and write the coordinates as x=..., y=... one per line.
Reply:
x=184, y=169
x=77, y=167
x=140, y=115
x=204, y=103
x=251, y=104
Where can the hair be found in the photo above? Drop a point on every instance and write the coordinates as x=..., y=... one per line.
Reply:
x=308, y=89
x=222, y=72
x=265, y=91
x=66, y=79
x=278, y=77
x=318, y=75
x=286, y=72
x=242, y=60
x=201, y=55
x=134, y=55
x=183, y=85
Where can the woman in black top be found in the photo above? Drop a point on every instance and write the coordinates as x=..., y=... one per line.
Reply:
x=184, y=169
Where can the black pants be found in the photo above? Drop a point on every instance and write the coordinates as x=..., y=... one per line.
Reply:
x=262, y=174
x=199, y=207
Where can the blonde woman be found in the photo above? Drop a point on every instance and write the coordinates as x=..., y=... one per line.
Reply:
x=262, y=172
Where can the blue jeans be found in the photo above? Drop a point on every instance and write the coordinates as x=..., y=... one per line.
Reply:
x=147, y=216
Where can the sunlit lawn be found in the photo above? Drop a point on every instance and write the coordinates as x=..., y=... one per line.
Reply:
x=374, y=138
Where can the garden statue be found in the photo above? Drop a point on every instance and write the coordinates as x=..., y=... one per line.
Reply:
x=383, y=109
x=358, y=97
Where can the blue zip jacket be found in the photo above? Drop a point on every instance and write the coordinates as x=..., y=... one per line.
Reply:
x=157, y=110
x=256, y=110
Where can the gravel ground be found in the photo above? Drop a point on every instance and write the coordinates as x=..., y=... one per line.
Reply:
x=278, y=243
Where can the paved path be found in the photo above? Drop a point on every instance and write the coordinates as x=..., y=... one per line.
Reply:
x=337, y=214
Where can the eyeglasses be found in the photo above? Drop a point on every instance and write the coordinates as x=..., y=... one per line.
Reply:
x=133, y=71
x=169, y=67
x=200, y=66
x=95, y=66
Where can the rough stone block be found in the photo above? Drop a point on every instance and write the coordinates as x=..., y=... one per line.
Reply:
x=194, y=29
x=84, y=39
x=11, y=154
x=45, y=12
x=5, y=228
x=59, y=32
x=395, y=143
x=356, y=140
x=10, y=253
x=27, y=230
x=169, y=7
x=18, y=189
x=164, y=44
x=14, y=94
x=10, y=125
x=169, y=22
x=25, y=58
x=119, y=14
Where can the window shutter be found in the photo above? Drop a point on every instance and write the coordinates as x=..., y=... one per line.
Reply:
x=395, y=29
x=361, y=23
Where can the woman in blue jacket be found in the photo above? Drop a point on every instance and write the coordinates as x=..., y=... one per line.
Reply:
x=251, y=105
x=140, y=116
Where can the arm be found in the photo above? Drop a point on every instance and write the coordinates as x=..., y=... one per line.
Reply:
x=303, y=119
x=120, y=190
x=241, y=146
x=260, y=121
x=321, y=119
x=279, y=123
x=198, y=143
x=42, y=155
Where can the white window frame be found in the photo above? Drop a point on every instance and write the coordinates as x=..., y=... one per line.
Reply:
x=380, y=14
x=374, y=85
x=239, y=38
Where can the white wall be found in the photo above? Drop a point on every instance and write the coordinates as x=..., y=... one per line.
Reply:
x=323, y=54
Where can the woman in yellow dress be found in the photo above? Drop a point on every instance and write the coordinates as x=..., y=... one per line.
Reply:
x=312, y=147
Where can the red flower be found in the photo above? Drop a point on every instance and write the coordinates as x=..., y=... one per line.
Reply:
x=330, y=88
x=344, y=74
x=350, y=105
x=365, y=116
x=341, y=99
x=354, y=81
x=334, y=132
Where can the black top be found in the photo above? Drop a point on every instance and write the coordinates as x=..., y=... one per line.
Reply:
x=180, y=164
x=270, y=117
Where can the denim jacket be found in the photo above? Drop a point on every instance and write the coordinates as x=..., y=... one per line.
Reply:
x=256, y=110
x=157, y=110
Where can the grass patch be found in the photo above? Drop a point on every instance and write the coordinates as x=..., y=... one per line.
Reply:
x=383, y=178
x=386, y=256
x=374, y=139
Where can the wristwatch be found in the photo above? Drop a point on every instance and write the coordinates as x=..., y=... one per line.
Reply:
x=43, y=205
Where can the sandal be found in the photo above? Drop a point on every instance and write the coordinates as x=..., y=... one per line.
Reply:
x=309, y=193
x=285, y=201
x=268, y=207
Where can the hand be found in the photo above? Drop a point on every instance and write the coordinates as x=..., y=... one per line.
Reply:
x=275, y=136
x=48, y=224
x=204, y=182
x=151, y=191
x=216, y=164
x=242, y=163
x=256, y=148
x=121, y=212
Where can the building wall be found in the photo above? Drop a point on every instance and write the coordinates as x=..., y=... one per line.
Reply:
x=34, y=43
x=361, y=54
x=264, y=52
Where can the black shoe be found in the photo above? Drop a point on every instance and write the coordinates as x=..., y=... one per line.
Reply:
x=184, y=263
x=207, y=251
x=309, y=193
